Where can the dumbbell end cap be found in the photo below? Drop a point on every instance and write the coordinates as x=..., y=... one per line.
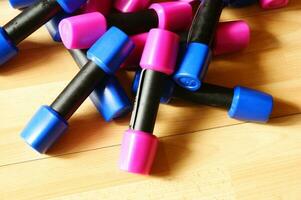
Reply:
x=160, y=51
x=251, y=105
x=231, y=37
x=138, y=150
x=44, y=128
x=82, y=31
x=193, y=66
x=111, y=100
x=187, y=81
x=7, y=49
x=111, y=50
x=273, y=4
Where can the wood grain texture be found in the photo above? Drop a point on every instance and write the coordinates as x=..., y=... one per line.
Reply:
x=203, y=154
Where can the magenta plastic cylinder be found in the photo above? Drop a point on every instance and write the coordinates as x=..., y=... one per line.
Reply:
x=173, y=16
x=138, y=151
x=231, y=37
x=138, y=148
x=160, y=51
x=81, y=31
x=131, y=5
x=102, y=6
x=273, y=4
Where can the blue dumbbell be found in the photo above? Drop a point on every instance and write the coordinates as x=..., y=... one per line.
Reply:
x=242, y=103
x=28, y=21
x=109, y=97
x=105, y=57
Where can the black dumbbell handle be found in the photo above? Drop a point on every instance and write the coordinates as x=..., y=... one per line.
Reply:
x=136, y=22
x=78, y=90
x=147, y=101
x=208, y=94
x=205, y=22
x=79, y=56
x=30, y=19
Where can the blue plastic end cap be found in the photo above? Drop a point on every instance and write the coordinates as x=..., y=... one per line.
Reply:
x=241, y=3
x=251, y=105
x=167, y=92
x=69, y=6
x=20, y=4
x=111, y=50
x=44, y=128
x=7, y=49
x=110, y=99
x=193, y=66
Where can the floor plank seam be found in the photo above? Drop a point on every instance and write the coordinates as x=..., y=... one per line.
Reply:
x=163, y=137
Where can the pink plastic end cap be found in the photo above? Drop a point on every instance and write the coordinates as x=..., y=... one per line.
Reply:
x=102, y=6
x=81, y=31
x=231, y=36
x=138, y=150
x=131, y=5
x=134, y=58
x=173, y=16
x=273, y=4
x=160, y=51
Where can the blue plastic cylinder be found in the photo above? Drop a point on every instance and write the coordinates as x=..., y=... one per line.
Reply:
x=110, y=51
x=193, y=66
x=110, y=99
x=20, y=4
x=44, y=128
x=69, y=6
x=250, y=105
x=7, y=48
x=53, y=26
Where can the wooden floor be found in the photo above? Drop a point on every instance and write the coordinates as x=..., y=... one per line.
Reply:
x=203, y=155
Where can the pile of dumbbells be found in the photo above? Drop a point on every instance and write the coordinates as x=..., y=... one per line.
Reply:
x=169, y=45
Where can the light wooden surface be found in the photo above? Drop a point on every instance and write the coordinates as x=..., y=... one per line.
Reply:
x=203, y=155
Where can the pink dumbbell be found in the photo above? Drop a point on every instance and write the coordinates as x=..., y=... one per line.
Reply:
x=265, y=4
x=175, y=16
x=231, y=36
x=158, y=61
x=80, y=32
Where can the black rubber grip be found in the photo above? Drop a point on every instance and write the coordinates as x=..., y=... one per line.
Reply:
x=79, y=56
x=205, y=22
x=135, y=22
x=31, y=19
x=147, y=101
x=78, y=90
x=208, y=94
